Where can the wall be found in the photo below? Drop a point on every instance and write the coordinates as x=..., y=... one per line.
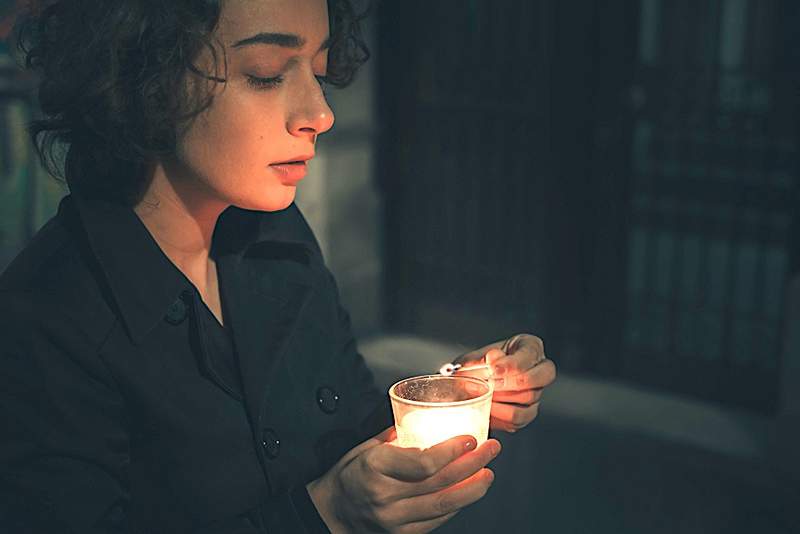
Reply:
x=341, y=202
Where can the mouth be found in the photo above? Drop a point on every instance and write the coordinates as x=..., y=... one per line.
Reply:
x=291, y=171
x=297, y=160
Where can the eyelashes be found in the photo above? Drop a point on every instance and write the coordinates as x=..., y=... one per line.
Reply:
x=264, y=84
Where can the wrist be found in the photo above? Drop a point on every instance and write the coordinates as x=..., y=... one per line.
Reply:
x=322, y=496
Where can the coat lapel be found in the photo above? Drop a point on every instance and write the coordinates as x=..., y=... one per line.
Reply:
x=266, y=297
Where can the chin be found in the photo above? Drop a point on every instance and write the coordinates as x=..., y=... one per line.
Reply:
x=276, y=201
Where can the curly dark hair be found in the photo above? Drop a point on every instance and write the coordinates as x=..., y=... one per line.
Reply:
x=112, y=81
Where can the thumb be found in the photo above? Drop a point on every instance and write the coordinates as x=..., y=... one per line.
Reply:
x=385, y=436
x=493, y=355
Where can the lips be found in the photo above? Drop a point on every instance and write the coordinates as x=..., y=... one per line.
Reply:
x=290, y=171
x=295, y=160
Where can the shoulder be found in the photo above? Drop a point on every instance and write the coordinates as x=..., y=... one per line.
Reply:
x=37, y=262
x=52, y=286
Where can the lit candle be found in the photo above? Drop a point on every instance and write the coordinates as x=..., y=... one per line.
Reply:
x=431, y=409
x=427, y=427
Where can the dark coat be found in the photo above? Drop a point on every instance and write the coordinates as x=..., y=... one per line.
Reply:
x=113, y=416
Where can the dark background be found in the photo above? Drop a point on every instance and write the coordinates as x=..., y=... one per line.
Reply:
x=623, y=175
x=619, y=178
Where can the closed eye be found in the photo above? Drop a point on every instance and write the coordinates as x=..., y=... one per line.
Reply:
x=271, y=83
x=264, y=83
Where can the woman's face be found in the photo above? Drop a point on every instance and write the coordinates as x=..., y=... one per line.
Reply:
x=271, y=109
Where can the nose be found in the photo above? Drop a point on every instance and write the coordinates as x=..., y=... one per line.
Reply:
x=309, y=113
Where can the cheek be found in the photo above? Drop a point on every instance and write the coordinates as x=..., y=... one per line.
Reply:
x=230, y=141
x=229, y=149
x=235, y=132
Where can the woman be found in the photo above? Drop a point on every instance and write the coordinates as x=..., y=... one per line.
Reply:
x=174, y=355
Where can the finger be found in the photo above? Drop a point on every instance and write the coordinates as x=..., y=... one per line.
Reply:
x=446, y=501
x=539, y=376
x=459, y=469
x=413, y=465
x=477, y=354
x=381, y=439
x=493, y=355
x=384, y=436
x=420, y=527
x=525, y=397
x=497, y=424
x=527, y=342
x=527, y=352
x=514, y=415
x=389, y=434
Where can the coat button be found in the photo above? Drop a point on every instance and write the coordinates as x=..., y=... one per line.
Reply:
x=270, y=443
x=327, y=399
x=177, y=311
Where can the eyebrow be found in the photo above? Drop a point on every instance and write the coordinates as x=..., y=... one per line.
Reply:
x=285, y=40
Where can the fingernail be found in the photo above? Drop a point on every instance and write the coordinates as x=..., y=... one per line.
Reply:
x=498, y=382
x=495, y=450
x=499, y=370
x=469, y=445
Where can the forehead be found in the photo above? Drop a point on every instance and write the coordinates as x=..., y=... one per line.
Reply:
x=242, y=18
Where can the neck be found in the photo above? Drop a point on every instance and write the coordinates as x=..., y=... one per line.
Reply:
x=181, y=217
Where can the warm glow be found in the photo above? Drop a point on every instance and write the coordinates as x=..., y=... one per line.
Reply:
x=433, y=408
x=425, y=427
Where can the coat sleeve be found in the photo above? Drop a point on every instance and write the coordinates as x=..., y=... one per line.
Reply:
x=64, y=442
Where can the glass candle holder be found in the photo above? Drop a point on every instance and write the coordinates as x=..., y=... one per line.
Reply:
x=433, y=408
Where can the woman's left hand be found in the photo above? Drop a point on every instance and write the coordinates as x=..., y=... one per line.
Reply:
x=521, y=371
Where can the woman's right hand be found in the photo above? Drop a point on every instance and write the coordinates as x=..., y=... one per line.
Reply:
x=379, y=487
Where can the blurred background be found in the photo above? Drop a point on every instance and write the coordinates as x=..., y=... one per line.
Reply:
x=619, y=178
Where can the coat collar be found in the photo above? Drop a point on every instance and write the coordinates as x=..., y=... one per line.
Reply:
x=144, y=282
x=265, y=301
